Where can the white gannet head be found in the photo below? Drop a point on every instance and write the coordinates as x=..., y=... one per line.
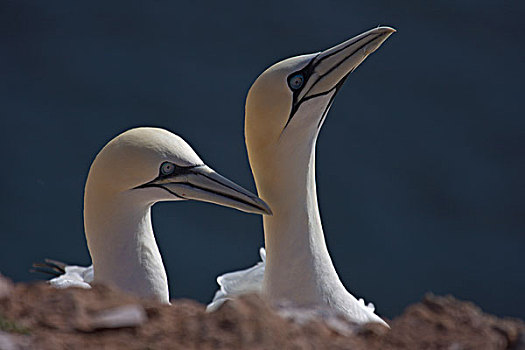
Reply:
x=149, y=165
x=287, y=104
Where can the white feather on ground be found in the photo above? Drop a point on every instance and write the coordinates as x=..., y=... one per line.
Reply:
x=74, y=276
x=236, y=283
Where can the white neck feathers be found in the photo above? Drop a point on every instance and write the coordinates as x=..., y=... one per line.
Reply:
x=122, y=245
x=298, y=265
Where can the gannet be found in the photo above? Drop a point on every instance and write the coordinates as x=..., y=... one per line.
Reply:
x=285, y=109
x=135, y=170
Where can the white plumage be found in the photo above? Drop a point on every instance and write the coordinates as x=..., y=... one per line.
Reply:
x=240, y=282
x=74, y=276
x=285, y=110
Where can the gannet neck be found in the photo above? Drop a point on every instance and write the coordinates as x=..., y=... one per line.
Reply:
x=298, y=265
x=122, y=245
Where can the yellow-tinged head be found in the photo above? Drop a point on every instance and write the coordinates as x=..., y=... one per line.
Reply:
x=287, y=104
x=149, y=165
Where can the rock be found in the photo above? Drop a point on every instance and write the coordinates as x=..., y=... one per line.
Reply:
x=303, y=316
x=118, y=317
x=5, y=286
x=7, y=342
x=10, y=341
x=102, y=317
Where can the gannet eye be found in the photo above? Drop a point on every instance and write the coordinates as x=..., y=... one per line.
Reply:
x=167, y=168
x=296, y=81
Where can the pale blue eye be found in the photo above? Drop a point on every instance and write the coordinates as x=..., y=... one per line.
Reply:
x=167, y=168
x=296, y=81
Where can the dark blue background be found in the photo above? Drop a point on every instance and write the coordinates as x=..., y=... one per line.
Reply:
x=420, y=164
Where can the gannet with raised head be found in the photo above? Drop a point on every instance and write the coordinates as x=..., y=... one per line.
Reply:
x=285, y=109
x=132, y=172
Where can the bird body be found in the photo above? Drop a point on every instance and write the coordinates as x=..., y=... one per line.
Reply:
x=285, y=110
x=131, y=173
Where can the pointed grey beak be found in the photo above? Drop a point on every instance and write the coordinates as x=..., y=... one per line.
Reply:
x=332, y=66
x=202, y=183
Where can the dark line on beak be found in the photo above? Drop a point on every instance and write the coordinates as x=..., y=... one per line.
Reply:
x=344, y=48
x=344, y=59
x=225, y=185
x=337, y=88
x=222, y=194
x=160, y=186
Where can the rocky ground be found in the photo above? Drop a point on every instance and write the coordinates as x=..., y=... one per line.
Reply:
x=36, y=316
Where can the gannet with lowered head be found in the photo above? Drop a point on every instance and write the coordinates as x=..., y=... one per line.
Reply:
x=135, y=170
x=285, y=109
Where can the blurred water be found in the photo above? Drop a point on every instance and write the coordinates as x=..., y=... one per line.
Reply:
x=420, y=163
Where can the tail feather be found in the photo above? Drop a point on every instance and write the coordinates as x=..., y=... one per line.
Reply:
x=58, y=264
x=38, y=269
x=50, y=267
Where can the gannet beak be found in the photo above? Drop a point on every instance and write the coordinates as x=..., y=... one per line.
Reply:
x=202, y=183
x=332, y=66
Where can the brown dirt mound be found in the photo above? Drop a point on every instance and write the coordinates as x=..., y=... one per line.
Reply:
x=36, y=316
